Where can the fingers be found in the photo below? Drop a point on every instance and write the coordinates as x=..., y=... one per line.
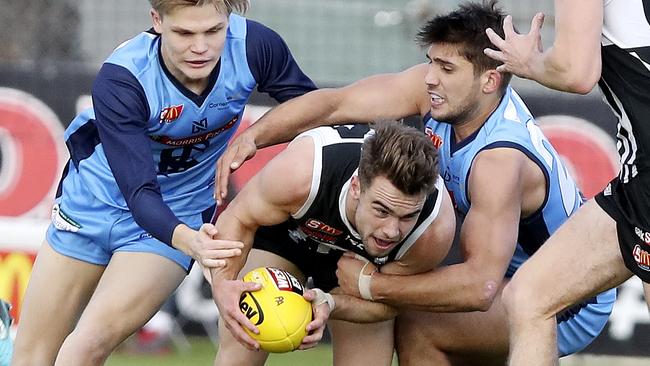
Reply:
x=508, y=28
x=494, y=54
x=495, y=38
x=213, y=263
x=239, y=151
x=309, y=295
x=251, y=286
x=537, y=22
x=236, y=327
x=209, y=230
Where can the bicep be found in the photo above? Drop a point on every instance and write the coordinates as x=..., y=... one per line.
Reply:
x=489, y=232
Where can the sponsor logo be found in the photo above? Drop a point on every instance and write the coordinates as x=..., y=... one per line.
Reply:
x=322, y=227
x=435, y=139
x=170, y=114
x=320, y=231
x=251, y=309
x=643, y=235
x=193, y=140
x=63, y=222
x=641, y=257
x=285, y=281
x=219, y=106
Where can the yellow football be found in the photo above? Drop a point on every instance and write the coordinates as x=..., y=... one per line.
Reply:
x=278, y=310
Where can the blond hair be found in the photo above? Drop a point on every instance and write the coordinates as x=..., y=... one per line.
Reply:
x=223, y=6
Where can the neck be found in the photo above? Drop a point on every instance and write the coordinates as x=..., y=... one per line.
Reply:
x=350, y=208
x=475, y=120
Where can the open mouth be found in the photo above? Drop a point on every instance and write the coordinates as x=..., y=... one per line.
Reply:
x=436, y=100
x=384, y=244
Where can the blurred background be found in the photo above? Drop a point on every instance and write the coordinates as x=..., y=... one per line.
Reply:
x=50, y=51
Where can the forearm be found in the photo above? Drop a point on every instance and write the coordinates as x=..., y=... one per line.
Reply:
x=573, y=63
x=356, y=310
x=557, y=71
x=287, y=120
x=455, y=288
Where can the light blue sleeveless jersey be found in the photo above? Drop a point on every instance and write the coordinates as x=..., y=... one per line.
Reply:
x=510, y=125
x=185, y=137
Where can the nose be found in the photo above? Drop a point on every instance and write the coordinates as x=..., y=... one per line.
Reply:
x=390, y=229
x=199, y=44
x=431, y=78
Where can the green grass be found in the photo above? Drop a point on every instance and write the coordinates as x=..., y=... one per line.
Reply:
x=202, y=352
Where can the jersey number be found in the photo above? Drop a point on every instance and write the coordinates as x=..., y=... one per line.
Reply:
x=176, y=160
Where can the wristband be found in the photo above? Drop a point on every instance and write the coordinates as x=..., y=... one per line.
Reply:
x=364, y=283
x=323, y=297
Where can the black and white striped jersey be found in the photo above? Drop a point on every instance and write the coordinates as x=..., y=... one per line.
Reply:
x=625, y=80
x=322, y=220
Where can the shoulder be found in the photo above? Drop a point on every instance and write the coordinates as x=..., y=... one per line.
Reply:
x=258, y=34
x=137, y=53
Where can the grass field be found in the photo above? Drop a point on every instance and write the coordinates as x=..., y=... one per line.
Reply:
x=202, y=353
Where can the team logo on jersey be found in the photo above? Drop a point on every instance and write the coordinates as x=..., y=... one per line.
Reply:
x=170, y=114
x=199, y=126
x=641, y=257
x=435, y=139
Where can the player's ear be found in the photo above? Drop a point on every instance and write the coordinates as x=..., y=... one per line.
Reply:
x=355, y=187
x=156, y=20
x=491, y=81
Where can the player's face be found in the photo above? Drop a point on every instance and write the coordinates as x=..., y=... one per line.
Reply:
x=192, y=42
x=453, y=88
x=384, y=215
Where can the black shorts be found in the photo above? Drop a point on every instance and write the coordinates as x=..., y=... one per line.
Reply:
x=629, y=205
x=321, y=267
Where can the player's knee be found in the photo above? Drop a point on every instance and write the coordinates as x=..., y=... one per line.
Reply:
x=90, y=343
x=409, y=337
x=518, y=299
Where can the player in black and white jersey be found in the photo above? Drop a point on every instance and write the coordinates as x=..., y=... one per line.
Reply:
x=334, y=190
x=608, y=240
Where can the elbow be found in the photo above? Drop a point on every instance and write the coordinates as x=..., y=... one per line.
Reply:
x=582, y=85
x=483, y=296
x=582, y=79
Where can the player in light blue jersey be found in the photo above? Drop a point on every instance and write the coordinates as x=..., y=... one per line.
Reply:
x=132, y=209
x=506, y=179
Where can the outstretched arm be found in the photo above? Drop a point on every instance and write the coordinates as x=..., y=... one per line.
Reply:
x=573, y=62
x=388, y=96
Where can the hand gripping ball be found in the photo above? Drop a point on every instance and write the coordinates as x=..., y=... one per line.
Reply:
x=278, y=310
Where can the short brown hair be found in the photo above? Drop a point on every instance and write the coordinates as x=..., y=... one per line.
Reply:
x=223, y=6
x=402, y=154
